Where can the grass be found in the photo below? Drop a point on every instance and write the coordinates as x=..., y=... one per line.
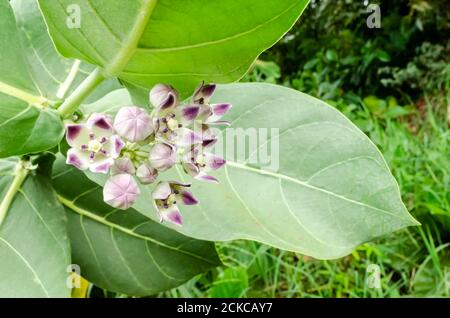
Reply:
x=412, y=263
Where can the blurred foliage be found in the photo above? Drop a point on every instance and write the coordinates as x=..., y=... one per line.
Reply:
x=331, y=50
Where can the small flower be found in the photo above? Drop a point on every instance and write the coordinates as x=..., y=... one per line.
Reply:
x=121, y=191
x=94, y=145
x=172, y=119
x=197, y=164
x=133, y=123
x=146, y=173
x=163, y=96
x=123, y=165
x=210, y=114
x=166, y=195
x=162, y=156
x=204, y=93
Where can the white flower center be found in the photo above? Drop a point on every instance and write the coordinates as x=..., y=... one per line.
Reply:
x=172, y=124
x=200, y=159
x=171, y=199
x=95, y=145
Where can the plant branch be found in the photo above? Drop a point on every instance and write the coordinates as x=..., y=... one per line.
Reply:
x=19, y=177
x=72, y=102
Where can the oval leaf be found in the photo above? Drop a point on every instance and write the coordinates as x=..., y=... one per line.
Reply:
x=26, y=123
x=34, y=249
x=326, y=191
x=124, y=251
x=145, y=42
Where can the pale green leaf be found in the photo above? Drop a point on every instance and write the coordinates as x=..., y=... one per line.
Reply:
x=34, y=249
x=331, y=192
x=27, y=124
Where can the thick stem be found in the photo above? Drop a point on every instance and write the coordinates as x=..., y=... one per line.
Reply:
x=19, y=177
x=72, y=102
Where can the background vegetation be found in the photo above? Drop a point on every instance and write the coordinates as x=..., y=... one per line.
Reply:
x=393, y=82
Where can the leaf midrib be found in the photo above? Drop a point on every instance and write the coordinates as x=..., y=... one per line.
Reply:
x=219, y=41
x=129, y=46
x=290, y=179
x=71, y=205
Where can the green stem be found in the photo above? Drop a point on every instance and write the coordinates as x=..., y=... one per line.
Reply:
x=72, y=102
x=19, y=177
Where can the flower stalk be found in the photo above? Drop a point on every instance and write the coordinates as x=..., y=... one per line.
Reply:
x=20, y=175
x=72, y=102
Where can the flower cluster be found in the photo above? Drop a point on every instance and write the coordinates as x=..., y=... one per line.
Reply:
x=137, y=146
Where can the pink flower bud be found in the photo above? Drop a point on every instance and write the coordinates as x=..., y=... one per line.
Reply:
x=163, y=96
x=122, y=165
x=162, y=156
x=133, y=123
x=146, y=173
x=121, y=191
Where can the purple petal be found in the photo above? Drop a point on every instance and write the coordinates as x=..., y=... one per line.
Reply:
x=214, y=162
x=72, y=132
x=190, y=112
x=188, y=198
x=102, y=166
x=205, y=177
x=75, y=159
x=204, y=92
x=220, y=109
x=100, y=121
x=172, y=215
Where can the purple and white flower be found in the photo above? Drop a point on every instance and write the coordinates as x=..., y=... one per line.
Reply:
x=94, y=145
x=198, y=164
x=138, y=146
x=210, y=114
x=167, y=195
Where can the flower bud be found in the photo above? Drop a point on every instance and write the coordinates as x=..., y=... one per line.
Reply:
x=163, y=96
x=203, y=93
x=162, y=156
x=146, y=173
x=133, y=123
x=121, y=191
x=122, y=165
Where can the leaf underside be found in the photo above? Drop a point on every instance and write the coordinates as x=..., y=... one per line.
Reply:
x=332, y=190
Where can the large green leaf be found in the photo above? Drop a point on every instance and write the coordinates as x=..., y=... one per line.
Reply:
x=332, y=191
x=172, y=41
x=27, y=124
x=124, y=251
x=34, y=249
x=56, y=77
